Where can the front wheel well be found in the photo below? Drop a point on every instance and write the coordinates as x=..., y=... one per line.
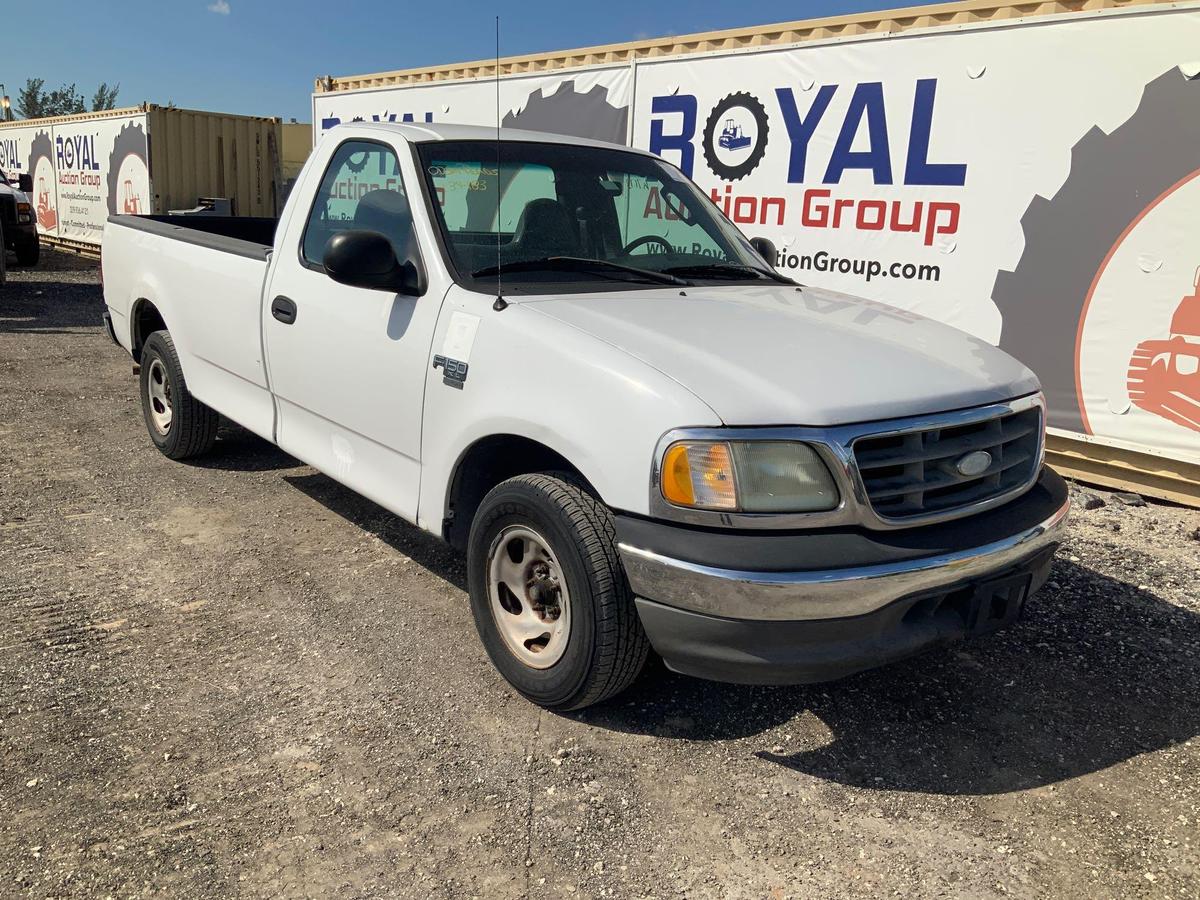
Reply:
x=145, y=319
x=487, y=463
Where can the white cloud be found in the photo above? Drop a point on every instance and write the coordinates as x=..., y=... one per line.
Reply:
x=221, y=8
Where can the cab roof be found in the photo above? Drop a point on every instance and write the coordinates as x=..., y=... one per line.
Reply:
x=424, y=133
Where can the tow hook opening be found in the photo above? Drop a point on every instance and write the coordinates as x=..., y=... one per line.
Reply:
x=978, y=608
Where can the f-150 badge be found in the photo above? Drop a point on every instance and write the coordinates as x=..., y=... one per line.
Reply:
x=454, y=372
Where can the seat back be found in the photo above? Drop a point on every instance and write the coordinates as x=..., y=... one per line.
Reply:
x=546, y=228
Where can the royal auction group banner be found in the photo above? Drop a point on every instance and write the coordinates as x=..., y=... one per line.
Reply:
x=592, y=102
x=1035, y=183
x=83, y=171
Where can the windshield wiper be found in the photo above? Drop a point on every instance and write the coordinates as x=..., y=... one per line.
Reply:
x=578, y=264
x=728, y=270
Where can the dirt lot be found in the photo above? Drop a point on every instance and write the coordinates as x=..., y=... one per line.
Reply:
x=239, y=679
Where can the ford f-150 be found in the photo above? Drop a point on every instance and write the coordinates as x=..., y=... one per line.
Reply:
x=559, y=356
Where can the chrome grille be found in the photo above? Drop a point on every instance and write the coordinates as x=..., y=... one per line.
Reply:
x=915, y=473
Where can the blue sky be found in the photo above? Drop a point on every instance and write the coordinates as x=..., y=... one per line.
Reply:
x=260, y=57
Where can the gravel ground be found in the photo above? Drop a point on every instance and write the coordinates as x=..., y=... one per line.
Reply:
x=236, y=678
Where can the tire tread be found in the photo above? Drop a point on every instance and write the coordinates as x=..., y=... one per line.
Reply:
x=193, y=424
x=620, y=641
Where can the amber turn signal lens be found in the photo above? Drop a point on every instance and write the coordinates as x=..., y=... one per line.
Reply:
x=677, y=477
x=699, y=475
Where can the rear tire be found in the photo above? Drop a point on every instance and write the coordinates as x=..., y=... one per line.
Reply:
x=593, y=645
x=179, y=424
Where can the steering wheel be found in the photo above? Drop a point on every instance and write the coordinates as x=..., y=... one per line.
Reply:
x=647, y=239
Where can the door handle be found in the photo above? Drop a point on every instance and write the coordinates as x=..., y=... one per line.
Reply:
x=284, y=310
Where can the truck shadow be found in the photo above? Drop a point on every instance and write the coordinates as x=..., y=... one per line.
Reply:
x=240, y=450
x=1080, y=685
x=419, y=546
x=49, y=307
x=1098, y=673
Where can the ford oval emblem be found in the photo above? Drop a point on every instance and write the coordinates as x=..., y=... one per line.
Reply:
x=974, y=463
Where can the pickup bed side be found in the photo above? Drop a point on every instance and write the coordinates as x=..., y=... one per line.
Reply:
x=203, y=278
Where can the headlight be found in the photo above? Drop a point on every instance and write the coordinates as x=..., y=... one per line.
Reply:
x=24, y=212
x=747, y=476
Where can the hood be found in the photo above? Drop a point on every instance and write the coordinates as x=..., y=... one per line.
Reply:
x=779, y=355
x=10, y=190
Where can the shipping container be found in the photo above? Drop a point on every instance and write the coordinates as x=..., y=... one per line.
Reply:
x=144, y=159
x=1025, y=171
x=297, y=143
x=877, y=23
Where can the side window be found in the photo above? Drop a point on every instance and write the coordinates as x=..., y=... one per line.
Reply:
x=363, y=189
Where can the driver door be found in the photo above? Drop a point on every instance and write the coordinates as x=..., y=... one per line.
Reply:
x=347, y=364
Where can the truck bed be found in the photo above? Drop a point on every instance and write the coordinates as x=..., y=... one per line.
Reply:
x=204, y=275
x=251, y=236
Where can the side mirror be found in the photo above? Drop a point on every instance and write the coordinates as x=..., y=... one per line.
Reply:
x=366, y=259
x=25, y=183
x=766, y=249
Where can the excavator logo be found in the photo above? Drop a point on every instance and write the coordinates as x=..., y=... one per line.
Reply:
x=735, y=136
x=46, y=215
x=1164, y=375
x=130, y=202
x=732, y=137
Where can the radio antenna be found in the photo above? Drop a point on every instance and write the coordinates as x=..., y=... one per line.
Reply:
x=500, y=303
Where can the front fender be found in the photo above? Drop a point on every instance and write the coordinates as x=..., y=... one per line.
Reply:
x=593, y=404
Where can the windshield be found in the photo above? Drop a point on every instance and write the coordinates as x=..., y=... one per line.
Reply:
x=578, y=218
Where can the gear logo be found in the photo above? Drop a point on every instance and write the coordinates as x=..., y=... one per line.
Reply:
x=45, y=190
x=356, y=162
x=128, y=175
x=569, y=112
x=735, y=136
x=1109, y=255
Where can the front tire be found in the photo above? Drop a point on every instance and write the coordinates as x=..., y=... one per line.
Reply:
x=28, y=252
x=179, y=424
x=551, y=602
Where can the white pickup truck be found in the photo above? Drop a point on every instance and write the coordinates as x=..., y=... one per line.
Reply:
x=17, y=221
x=559, y=356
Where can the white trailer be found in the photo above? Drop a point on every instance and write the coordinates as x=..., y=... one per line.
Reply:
x=1025, y=172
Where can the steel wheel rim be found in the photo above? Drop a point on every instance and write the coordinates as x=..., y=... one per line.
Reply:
x=158, y=396
x=528, y=596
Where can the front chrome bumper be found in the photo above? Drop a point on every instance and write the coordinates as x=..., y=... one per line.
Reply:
x=828, y=593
